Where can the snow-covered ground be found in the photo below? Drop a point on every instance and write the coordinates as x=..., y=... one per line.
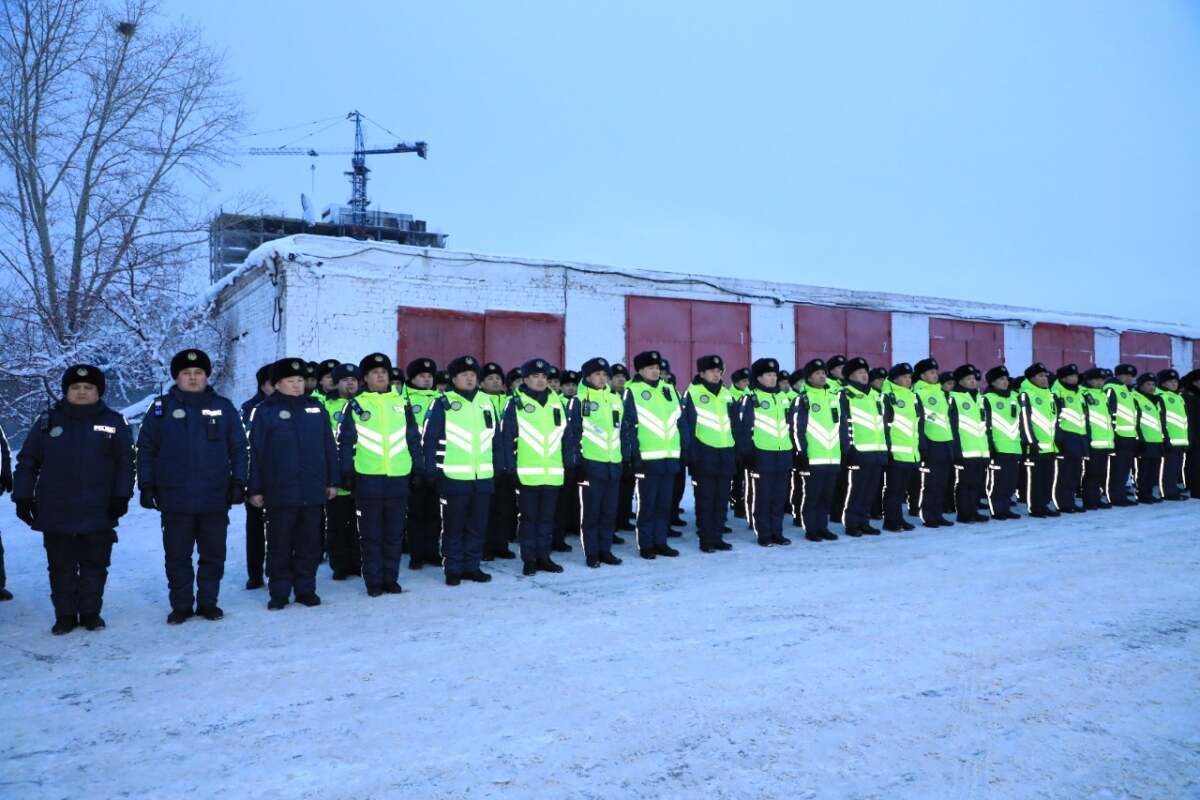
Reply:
x=1052, y=659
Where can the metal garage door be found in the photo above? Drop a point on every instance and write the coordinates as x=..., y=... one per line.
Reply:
x=1058, y=345
x=684, y=330
x=1149, y=352
x=507, y=337
x=1195, y=353
x=822, y=332
x=954, y=342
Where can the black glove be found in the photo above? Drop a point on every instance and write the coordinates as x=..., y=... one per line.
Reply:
x=146, y=498
x=236, y=494
x=27, y=511
x=348, y=480
x=118, y=507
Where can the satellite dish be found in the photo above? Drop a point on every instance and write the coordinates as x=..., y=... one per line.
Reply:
x=309, y=217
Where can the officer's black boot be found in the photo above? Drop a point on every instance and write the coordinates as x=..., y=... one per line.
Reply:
x=92, y=622
x=308, y=600
x=546, y=565
x=529, y=569
x=666, y=550
x=609, y=558
x=64, y=624
x=254, y=583
x=211, y=613
x=479, y=576
x=178, y=616
x=5, y=594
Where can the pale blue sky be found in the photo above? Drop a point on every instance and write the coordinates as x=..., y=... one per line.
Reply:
x=1026, y=152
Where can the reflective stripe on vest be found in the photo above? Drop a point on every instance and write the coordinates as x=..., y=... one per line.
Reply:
x=658, y=414
x=1125, y=417
x=713, y=427
x=540, y=430
x=1099, y=421
x=601, y=425
x=972, y=429
x=382, y=427
x=466, y=452
x=770, y=421
x=933, y=402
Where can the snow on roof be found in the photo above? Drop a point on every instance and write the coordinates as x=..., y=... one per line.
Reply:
x=312, y=249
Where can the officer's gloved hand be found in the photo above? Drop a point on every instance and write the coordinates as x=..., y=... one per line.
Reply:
x=27, y=511
x=348, y=480
x=146, y=498
x=118, y=507
x=236, y=494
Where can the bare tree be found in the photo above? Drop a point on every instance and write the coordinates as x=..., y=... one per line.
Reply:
x=105, y=111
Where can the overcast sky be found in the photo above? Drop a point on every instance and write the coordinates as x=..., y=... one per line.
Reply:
x=1034, y=153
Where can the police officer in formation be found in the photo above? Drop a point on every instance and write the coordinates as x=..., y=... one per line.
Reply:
x=596, y=414
x=73, y=482
x=711, y=414
x=406, y=458
x=293, y=474
x=652, y=424
x=379, y=448
x=6, y=485
x=192, y=468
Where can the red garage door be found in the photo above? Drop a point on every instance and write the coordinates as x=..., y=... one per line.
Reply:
x=1149, y=352
x=822, y=332
x=684, y=330
x=954, y=342
x=506, y=337
x=1058, y=345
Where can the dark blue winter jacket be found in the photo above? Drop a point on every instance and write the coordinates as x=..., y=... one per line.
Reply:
x=75, y=460
x=293, y=457
x=249, y=406
x=190, y=449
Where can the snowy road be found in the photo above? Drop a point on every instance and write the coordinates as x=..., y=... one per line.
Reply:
x=1056, y=659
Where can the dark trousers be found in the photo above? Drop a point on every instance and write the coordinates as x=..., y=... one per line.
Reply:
x=536, y=511
x=838, y=502
x=655, y=491
x=341, y=535
x=968, y=487
x=1003, y=477
x=766, y=500
x=935, y=480
x=862, y=485
x=1172, y=472
x=711, y=492
x=625, y=492
x=78, y=567
x=293, y=550
x=1147, y=471
x=424, y=524
x=566, y=512
x=1191, y=475
x=502, y=516
x=737, y=494
x=256, y=542
x=3, y=577
x=677, y=491
x=464, y=523
x=381, y=525
x=1096, y=474
x=896, y=480
x=1068, y=482
x=815, y=487
x=1121, y=468
x=1040, y=471
x=206, y=534
x=599, y=498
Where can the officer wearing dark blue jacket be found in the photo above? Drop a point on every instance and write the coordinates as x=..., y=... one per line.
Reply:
x=73, y=482
x=461, y=459
x=293, y=473
x=6, y=485
x=256, y=534
x=711, y=414
x=379, y=444
x=192, y=467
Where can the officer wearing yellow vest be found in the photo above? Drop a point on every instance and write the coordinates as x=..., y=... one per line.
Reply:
x=532, y=448
x=1190, y=392
x=867, y=455
x=1002, y=417
x=877, y=376
x=937, y=454
x=502, y=515
x=566, y=512
x=1123, y=413
x=1175, y=433
x=739, y=385
x=652, y=425
x=460, y=455
x=424, y=511
x=1148, y=469
x=595, y=416
x=819, y=437
x=972, y=450
x=711, y=415
x=904, y=420
x=1039, y=425
x=379, y=448
x=765, y=444
x=620, y=374
x=1101, y=441
x=341, y=521
x=326, y=385
x=680, y=477
x=1072, y=438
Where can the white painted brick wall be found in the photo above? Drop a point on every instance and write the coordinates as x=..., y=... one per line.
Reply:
x=1181, y=355
x=245, y=324
x=1108, y=348
x=1018, y=347
x=772, y=334
x=910, y=337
